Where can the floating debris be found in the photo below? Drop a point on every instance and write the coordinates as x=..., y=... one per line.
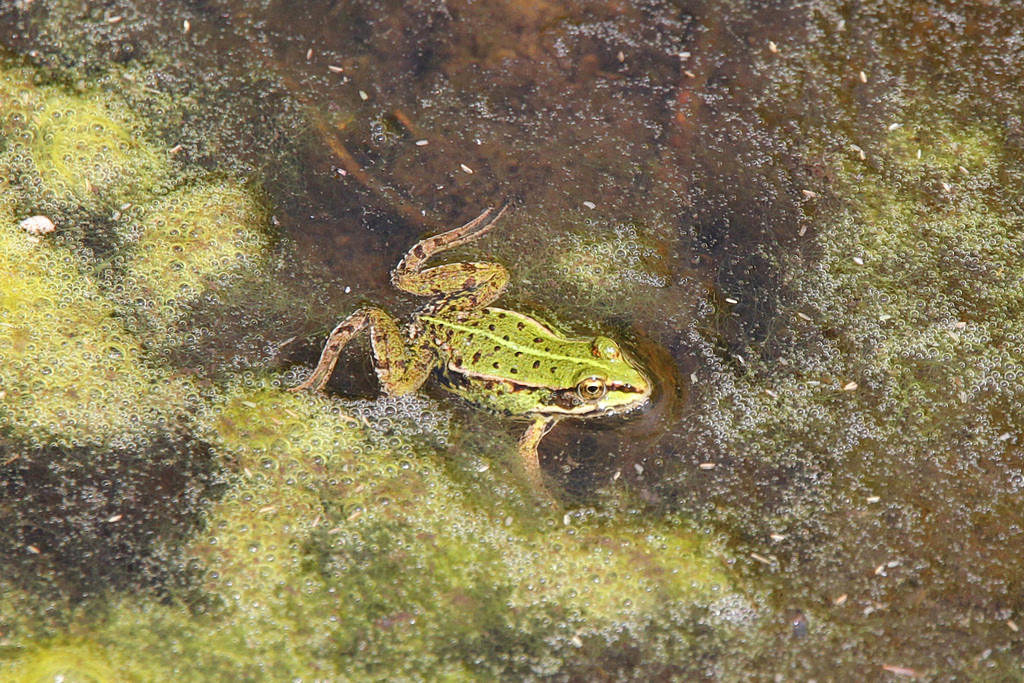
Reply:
x=37, y=225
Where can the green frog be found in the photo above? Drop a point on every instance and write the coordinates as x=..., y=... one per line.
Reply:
x=499, y=360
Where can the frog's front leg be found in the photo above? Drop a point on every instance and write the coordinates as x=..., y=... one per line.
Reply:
x=527, y=450
x=402, y=365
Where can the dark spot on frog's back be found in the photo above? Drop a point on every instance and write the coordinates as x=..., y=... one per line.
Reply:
x=476, y=357
x=520, y=325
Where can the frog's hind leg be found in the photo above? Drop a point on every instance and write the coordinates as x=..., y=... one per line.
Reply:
x=414, y=259
x=459, y=286
x=401, y=367
x=463, y=286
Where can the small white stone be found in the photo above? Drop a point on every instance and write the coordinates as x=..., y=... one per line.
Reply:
x=37, y=225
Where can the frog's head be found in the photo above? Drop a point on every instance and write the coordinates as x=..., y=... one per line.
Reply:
x=606, y=383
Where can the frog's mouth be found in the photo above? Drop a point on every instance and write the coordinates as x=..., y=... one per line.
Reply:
x=621, y=398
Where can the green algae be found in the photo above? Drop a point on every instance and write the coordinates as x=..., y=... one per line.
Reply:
x=884, y=312
x=601, y=265
x=928, y=277
x=886, y=410
x=71, y=662
x=341, y=549
x=181, y=243
x=75, y=372
x=375, y=523
x=910, y=303
x=70, y=372
x=609, y=266
x=87, y=142
x=84, y=151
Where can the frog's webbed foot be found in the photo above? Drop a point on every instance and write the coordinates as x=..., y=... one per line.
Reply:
x=527, y=450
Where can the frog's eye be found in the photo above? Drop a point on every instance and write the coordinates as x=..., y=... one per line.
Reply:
x=605, y=348
x=591, y=389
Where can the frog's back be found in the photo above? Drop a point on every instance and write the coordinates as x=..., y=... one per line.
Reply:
x=514, y=346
